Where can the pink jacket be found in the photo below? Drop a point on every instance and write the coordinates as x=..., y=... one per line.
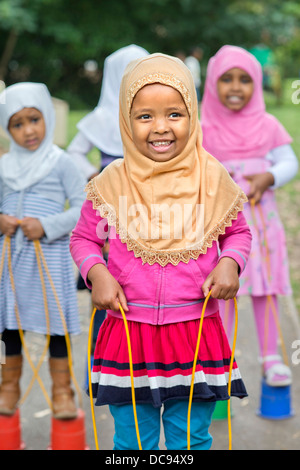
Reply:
x=156, y=294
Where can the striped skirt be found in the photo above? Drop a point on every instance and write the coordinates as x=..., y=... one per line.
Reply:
x=163, y=359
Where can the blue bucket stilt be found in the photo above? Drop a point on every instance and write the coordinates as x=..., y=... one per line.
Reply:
x=275, y=402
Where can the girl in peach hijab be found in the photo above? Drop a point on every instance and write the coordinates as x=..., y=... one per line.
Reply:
x=164, y=207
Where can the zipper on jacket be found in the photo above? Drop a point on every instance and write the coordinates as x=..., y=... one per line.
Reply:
x=159, y=312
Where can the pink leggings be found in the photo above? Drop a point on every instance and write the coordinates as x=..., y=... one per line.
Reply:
x=268, y=343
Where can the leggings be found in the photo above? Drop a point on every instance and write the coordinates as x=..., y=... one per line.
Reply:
x=13, y=345
x=259, y=306
x=174, y=418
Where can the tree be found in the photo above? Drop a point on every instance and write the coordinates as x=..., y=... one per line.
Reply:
x=16, y=19
x=56, y=37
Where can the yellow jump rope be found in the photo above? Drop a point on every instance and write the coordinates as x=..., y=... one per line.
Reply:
x=41, y=264
x=132, y=378
x=270, y=302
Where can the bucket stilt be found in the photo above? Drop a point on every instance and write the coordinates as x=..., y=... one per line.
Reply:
x=221, y=411
x=10, y=432
x=275, y=402
x=69, y=434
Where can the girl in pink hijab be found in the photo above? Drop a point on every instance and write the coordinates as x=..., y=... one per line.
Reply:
x=255, y=149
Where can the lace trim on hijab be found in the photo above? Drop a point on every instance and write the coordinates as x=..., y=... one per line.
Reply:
x=163, y=257
x=165, y=79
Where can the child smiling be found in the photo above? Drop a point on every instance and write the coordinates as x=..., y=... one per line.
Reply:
x=36, y=180
x=161, y=282
x=256, y=150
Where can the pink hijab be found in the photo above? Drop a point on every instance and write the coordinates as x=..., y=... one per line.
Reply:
x=249, y=133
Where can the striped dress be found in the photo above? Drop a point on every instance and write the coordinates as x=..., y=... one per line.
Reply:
x=163, y=362
x=45, y=201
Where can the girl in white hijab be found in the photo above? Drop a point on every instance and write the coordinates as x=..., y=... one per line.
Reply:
x=100, y=128
x=21, y=167
x=36, y=180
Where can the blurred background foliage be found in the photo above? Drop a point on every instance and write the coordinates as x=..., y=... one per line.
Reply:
x=63, y=43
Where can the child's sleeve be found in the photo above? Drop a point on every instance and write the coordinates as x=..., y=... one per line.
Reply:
x=71, y=183
x=78, y=150
x=87, y=240
x=284, y=165
x=236, y=242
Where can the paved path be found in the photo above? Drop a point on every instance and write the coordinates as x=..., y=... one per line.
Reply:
x=249, y=431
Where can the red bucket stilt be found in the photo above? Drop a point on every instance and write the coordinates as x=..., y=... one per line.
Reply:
x=10, y=432
x=68, y=434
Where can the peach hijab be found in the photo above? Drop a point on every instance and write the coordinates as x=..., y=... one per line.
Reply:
x=165, y=212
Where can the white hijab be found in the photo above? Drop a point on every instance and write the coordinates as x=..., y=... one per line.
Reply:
x=101, y=126
x=21, y=168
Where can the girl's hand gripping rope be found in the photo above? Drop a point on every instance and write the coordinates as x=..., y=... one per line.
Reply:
x=107, y=293
x=223, y=281
x=258, y=185
x=8, y=224
x=32, y=228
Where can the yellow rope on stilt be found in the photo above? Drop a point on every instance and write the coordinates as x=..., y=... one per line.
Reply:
x=230, y=372
x=132, y=378
x=90, y=378
x=67, y=337
x=33, y=368
x=193, y=373
x=194, y=370
x=41, y=262
x=270, y=301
